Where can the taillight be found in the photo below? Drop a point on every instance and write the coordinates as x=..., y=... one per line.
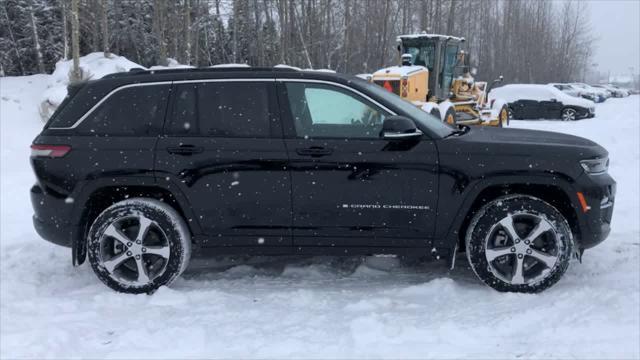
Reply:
x=52, y=151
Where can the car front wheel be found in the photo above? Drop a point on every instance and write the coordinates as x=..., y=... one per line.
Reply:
x=137, y=245
x=519, y=243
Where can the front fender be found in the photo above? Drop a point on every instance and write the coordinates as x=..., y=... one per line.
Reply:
x=460, y=200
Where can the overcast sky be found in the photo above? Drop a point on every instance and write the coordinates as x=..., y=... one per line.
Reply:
x=616, y=24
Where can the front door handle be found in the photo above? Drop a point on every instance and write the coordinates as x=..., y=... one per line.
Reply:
x=185, y=149
x=314, y=151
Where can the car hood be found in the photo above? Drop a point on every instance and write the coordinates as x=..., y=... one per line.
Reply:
x=496, y=150
x=524, y=142
x=525, y=136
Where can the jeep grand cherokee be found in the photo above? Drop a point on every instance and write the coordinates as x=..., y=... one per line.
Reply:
x=139, y=171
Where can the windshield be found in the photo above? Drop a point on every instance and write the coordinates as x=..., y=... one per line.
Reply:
x=423, y=55
x=425, y=119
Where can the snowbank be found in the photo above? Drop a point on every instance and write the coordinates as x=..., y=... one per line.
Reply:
x=92, y=66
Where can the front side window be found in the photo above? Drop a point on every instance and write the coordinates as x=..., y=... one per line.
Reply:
x=422, y=55
x=320, y=110
x=130, y=111
x=221, y=109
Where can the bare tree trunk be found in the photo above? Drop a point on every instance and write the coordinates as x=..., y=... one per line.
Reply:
x=75, y=42
x=304, y=45
x=14, y=44
x=105, y=28
x=65, y=31
x=450, y=21
x=36, y=40
x=187, y=31
x=159, y=28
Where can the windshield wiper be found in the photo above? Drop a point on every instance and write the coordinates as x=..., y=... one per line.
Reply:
x=462, y=129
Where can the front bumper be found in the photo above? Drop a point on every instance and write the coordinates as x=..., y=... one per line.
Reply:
x=599, y=193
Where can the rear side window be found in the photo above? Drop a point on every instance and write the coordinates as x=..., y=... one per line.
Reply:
x=135, y=110
x=221, y=109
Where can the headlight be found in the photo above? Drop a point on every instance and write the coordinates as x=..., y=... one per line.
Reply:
x=595, y=166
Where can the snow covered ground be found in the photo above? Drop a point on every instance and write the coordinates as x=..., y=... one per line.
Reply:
x=316, y=307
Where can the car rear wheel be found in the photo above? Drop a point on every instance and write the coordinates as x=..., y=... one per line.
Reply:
x=519, y=243
x=568, y=114
x=137, y=245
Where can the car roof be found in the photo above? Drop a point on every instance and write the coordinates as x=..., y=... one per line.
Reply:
x=139, y=76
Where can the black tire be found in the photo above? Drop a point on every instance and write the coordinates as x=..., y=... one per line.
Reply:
x=450, y=116
x=504, y=111
x=527, y=214
x=166, y=234
x=569, y=114
x=435, y=112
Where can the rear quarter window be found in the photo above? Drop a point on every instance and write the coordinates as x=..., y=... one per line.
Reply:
x=135, y=110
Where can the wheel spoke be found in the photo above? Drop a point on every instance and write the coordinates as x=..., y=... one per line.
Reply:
x=114, y=262
x=163, y=251
x=113, y=232
x=542, y=227
x=518, y=272
x=548, y=260
x=143, y=277
x=145, y=224
x=507, y=225
x=492, y=254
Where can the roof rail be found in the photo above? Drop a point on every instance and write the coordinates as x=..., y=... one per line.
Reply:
x=140, y=72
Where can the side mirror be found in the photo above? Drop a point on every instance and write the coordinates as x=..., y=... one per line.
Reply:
x=399, y=128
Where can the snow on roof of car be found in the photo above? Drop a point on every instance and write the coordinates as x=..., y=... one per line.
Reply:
x=218, y=66
x=285, y=66
x=429, y=36
x=400, y=70
x=539, y=92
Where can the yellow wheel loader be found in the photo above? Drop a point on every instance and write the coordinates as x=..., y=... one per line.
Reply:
x=434, y=75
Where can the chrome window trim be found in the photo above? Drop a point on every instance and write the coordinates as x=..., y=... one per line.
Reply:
x=105, y=98
x=112, y=92
x=393, y=113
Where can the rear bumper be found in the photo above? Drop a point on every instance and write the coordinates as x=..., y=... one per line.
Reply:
x=59, y=235
x=50, y=217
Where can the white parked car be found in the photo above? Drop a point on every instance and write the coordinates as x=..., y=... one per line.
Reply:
x=532, y=101
x=614, y=90
x=568, y=89
x=592, y=93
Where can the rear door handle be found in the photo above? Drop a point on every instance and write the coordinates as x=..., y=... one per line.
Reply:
x=314, y=151
x=185, y=149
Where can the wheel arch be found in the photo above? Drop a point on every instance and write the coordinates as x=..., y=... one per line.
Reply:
x=101, y=196
x=555, y=195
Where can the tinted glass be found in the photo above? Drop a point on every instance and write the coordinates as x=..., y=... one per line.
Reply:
x=425, y=119
x=130, y=111
x=328, y=111
x=222, y=109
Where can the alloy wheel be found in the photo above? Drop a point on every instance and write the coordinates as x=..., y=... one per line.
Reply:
x=569, y=115
x=522, y=248
x=134, y=250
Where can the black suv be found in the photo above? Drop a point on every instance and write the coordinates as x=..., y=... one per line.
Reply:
x=140, y=170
